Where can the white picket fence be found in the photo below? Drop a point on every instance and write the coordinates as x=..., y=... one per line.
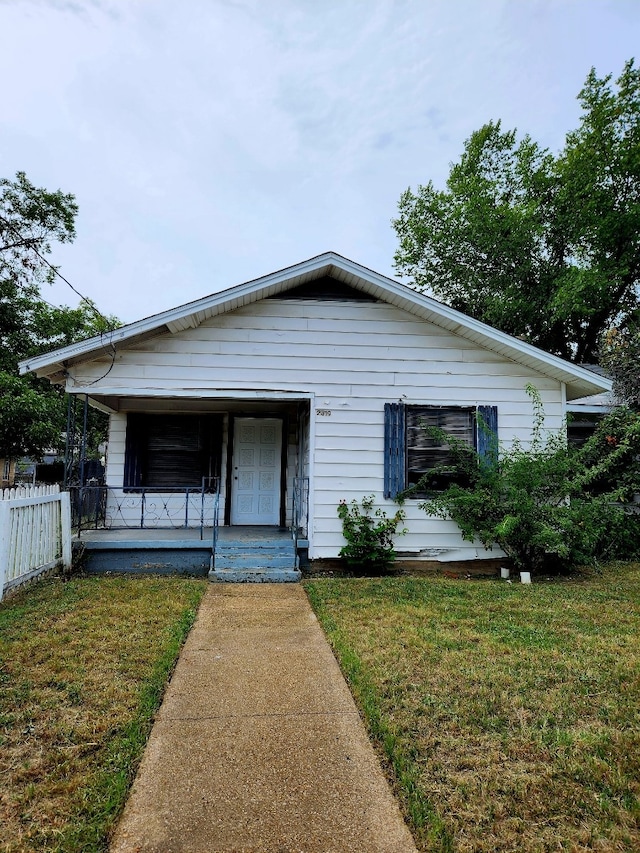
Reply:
x=35, y=533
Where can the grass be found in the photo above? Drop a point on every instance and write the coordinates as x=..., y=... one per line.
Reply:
x=83, y=666
x=508, y=716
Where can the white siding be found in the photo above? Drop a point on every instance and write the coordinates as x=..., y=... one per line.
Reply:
x=353, y=357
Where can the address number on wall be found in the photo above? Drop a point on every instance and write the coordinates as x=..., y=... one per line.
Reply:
x=323, y=413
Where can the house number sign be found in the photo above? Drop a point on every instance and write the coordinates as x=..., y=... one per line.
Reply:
x=323, y=413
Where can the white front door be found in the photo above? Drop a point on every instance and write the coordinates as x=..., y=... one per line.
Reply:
x=255, y=486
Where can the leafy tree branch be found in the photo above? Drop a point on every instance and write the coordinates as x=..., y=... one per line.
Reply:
x=542, y=246
x=32, y=412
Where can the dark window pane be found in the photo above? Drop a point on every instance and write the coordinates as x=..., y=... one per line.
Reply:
x=166, y=451
x=175, y=453
x=424, y=452
x=581, y=428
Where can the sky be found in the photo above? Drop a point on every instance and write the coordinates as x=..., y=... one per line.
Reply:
x=210, y=142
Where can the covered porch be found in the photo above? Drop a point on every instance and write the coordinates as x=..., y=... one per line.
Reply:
x=198, y=485
x=182, y=470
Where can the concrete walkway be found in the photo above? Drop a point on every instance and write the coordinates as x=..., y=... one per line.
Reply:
x=258, y=745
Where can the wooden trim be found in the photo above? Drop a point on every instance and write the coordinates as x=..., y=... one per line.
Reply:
x=311, y=472
x=457, y=569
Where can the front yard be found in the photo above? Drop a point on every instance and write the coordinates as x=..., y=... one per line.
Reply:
x=508, y=715
x=82, y=667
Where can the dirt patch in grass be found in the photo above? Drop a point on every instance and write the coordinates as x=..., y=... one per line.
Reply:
x=83, y=665
x=508, y=715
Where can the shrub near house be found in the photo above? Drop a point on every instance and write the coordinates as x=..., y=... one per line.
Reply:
x=369, y=534
x=550, y=506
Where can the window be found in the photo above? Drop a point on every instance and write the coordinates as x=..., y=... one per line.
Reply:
x=171, y=451
x=424, y=453
x=580, y=427
x=410, y=452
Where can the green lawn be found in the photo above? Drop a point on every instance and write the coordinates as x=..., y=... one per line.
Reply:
x=83, y=665
x=508, y=715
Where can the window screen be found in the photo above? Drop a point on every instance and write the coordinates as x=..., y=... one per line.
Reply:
x=166, y=451
x=424, y=453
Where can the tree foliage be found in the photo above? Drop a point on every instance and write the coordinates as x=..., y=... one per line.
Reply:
x=32, y=412
x=541, y=246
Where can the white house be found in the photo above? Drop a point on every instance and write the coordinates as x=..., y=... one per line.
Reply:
x=310, y=382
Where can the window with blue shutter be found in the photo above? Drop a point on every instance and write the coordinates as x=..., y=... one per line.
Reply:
x=410, y=452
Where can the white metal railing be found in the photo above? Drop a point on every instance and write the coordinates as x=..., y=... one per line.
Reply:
x=300, y=520
x=102, y=507
x=35, y=533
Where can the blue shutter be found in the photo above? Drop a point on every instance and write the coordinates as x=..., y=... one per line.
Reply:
x=394, y=449
x=487, y=434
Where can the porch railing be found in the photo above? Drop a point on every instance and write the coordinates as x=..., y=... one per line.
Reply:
x=216, y=524
x=300, y=510
x=104, y=507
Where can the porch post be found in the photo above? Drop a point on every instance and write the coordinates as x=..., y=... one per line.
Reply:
x=69, y=440
x=84, y=438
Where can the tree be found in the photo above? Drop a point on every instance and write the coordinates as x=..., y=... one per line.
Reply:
x=32, y=412
x=544, y=247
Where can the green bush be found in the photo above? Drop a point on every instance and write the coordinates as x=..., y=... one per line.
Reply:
x=549, y=506
x=369, y=535
x=610, y=459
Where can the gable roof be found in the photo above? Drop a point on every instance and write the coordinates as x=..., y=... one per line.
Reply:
x=579, y=381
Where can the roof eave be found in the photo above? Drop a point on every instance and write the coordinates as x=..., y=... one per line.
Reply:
x=579, y=381
x=176, y=319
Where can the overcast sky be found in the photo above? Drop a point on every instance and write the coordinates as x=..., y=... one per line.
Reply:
x=209, y=142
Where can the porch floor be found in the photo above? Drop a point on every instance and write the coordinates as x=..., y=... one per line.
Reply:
x=177, y=537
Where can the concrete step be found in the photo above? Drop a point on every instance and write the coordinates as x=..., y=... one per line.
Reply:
x=253, y=561
x=254, y=575
x=258, y=547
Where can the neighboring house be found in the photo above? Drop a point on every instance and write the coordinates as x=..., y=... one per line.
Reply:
x=312, y=380
x=7, y=473
x=584, y=414
x=14, y=472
